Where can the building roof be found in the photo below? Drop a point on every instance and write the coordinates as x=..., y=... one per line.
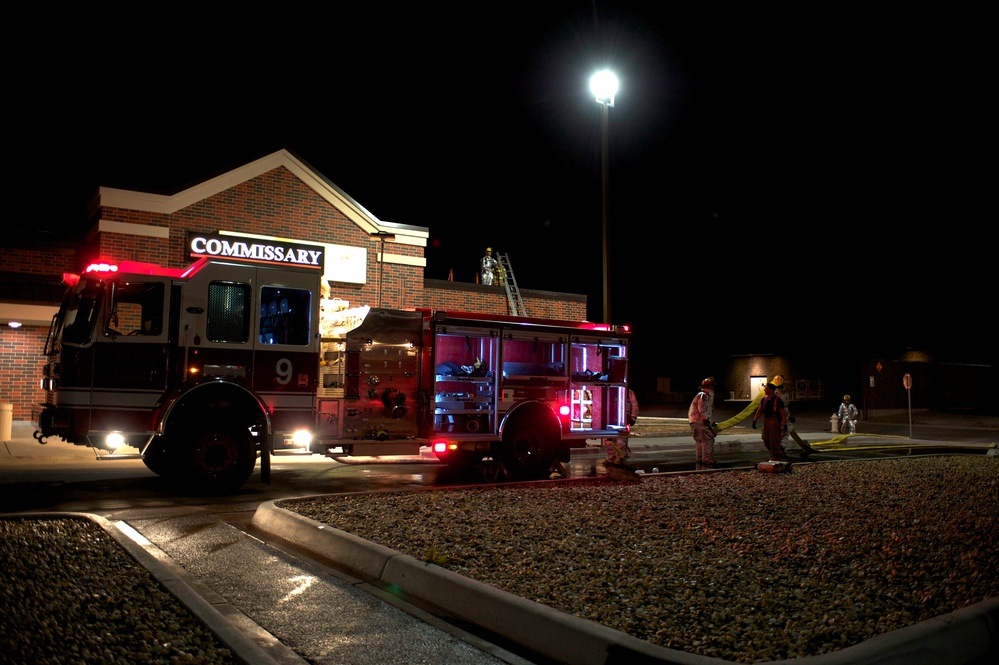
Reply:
x=167, y=204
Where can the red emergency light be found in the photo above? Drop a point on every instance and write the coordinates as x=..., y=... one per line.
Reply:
x=102, y=267
x=143, y=268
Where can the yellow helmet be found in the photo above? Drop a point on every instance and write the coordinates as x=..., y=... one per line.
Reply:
x=708, y=382
x=778, y=380
x=846, y=398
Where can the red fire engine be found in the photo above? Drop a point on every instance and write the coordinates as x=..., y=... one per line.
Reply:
x=202, y=369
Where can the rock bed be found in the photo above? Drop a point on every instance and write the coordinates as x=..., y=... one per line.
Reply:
x=70, y=594
x=743, y=566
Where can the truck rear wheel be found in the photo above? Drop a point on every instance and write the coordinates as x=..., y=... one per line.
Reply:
x=528, y=449
x=222, y=460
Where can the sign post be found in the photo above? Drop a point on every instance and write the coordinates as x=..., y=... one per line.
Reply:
x=907, y=382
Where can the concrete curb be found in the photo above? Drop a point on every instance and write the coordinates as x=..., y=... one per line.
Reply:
x=966, y=636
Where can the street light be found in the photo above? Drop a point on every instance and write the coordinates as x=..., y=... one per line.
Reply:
x=383, y=235
x=604, y=87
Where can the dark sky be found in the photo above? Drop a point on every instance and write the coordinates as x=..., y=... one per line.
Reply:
x=778, y=180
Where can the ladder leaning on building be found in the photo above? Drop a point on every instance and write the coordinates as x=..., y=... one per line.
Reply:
x=510, y=284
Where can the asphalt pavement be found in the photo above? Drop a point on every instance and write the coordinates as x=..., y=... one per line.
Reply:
x=374, y=568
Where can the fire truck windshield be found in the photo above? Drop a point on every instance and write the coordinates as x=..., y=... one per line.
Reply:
x=80, y=311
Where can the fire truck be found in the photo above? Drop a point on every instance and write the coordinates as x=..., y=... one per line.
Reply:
x=199, y=371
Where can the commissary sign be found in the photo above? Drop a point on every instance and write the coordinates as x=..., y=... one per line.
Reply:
x=241, y=248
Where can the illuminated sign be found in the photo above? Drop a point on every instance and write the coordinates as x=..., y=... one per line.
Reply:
x=346, y=264
x=270, y=251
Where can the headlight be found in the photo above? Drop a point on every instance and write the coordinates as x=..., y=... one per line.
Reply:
x=115, y=440
x=301, y=438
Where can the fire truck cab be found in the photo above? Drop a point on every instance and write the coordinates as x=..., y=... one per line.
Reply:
x=203, y=369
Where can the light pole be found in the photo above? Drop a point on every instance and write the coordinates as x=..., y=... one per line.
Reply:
x=383, y=236
x=603, y=84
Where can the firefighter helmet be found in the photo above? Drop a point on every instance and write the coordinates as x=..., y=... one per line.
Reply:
x=708, y=382
x=846, y=398
x=778, y=381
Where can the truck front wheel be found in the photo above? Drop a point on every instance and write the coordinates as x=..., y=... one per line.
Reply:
x=160, y=458
x=222, y=460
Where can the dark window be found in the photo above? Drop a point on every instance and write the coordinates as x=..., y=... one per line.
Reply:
x=228, y=320
x=79, y=315
x=285, y=316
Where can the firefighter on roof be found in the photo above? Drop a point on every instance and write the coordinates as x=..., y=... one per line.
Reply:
x=487, y=267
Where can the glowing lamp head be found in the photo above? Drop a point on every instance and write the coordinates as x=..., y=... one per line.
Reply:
x=115, y=440
x=301, y=438
x=604, y=86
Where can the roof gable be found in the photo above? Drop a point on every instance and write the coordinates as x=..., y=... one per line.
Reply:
x=168, y=204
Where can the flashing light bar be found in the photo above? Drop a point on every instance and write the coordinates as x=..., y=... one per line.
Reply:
x=135, y=267
x=102, y=267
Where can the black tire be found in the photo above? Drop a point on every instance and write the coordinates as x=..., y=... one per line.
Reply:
x=161, y=459
x=528, y=449
x=221, y=460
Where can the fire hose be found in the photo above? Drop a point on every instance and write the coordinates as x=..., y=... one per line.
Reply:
x=748, y=412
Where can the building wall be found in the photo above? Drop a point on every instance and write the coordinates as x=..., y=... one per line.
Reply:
x=53, y=260
x=941, y=386
x=742, y=368
x=21, y=363
x=464, y=297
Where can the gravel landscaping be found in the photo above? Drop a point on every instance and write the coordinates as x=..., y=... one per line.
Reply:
x=70, y=594
x=743, y=566
x=739, y=565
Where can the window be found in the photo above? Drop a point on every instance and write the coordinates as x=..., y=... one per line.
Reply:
x=228, y=320
x=79, y=313
x=285, y=316
x=137, y=309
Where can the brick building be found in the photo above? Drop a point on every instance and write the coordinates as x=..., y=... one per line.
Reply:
x=278, y=195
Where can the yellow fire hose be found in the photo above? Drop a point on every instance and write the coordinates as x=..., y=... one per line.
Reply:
x=748, y=412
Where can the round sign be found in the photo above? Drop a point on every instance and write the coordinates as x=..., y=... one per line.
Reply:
x=907, y=381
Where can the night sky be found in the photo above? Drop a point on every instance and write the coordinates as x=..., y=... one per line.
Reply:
x=779, y=182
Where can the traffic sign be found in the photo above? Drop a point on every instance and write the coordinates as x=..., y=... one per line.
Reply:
x=907, y=381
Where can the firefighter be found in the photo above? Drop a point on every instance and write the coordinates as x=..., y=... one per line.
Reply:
x=779, y=390
x=631, y=408
x=847, y=416
x=774, y=421
x=700, y=416
x=488, y=267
